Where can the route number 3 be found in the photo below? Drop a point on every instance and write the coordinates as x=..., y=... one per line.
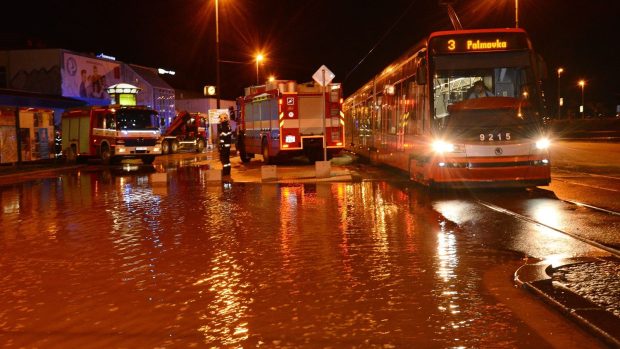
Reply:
x=451, y=45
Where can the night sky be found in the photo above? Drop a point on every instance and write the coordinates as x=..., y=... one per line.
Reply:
x=298, y=36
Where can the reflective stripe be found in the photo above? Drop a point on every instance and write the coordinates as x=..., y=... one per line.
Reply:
x=227, y=165
x=227, y=145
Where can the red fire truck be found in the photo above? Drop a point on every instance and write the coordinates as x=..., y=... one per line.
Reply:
x=187, y=131
x=283, y=118
x=111, y=133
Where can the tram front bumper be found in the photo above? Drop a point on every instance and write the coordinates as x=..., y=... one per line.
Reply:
x=506, y=171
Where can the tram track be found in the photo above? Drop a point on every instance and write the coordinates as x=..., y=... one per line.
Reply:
x=566, y=175
x=614, y=251
x=586, y=185
x=592, y=207
x=588, y=301
x=591, y=174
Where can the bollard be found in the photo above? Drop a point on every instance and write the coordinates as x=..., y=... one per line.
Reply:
x=268, y=173
x=160, y=177
x=159, y=183
x=323, y=169
x=214, y=175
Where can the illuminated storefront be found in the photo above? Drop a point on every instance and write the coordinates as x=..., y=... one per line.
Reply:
x=65, y=73
x=27, y=131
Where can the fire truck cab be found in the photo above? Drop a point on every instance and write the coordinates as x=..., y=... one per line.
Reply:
x=111, y=133
x=283, y=118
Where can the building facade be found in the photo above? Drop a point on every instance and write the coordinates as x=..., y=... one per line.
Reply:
x=65, y=73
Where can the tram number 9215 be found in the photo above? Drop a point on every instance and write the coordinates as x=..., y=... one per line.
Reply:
x=490, y=137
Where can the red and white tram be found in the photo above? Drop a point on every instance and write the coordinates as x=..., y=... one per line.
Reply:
x=422, y=114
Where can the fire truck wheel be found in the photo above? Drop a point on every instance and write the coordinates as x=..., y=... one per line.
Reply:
x=174, y=147
x=200, y=146
x=245, y=157
x=165, y=147
x=106, y=154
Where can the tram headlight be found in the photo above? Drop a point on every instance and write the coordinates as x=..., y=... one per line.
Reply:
x=442, y=147
x=543, y=143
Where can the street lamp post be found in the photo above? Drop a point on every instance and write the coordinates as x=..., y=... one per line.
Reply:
x=582, y=83
x=560, y=71
x=217, y=55
x=259, y=58
x=516, y=13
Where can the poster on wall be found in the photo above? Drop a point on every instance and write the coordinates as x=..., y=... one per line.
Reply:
x=88, y=77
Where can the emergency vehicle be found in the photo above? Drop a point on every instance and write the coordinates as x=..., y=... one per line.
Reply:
x=187, y=131
x=285, y=119
x=111, y=133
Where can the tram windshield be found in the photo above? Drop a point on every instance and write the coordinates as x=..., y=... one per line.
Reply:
x=482, y=90
x=136, y=119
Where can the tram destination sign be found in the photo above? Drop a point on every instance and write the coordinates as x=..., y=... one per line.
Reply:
x=483, y=42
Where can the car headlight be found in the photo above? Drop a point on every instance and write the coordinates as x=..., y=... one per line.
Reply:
x=443, y=147
x=543, y=143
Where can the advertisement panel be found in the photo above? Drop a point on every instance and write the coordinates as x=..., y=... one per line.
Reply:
x=88, y=77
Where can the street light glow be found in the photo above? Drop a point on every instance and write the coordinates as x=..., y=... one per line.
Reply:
x=259, y=58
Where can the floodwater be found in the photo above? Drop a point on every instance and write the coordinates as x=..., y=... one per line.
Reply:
x=97, y=259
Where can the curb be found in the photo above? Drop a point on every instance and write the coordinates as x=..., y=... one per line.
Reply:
x=19, y=173
x=536, y=279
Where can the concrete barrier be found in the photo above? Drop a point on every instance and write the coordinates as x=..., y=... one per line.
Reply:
x=268, y=173
x=214, y=175
x=160, y=177
x=323, y=169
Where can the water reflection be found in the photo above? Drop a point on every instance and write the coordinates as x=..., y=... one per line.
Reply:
x=100, y=258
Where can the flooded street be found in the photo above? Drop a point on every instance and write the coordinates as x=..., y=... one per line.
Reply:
x=105, y=259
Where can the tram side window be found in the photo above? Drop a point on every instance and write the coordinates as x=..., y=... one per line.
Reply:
x=366, y=122
x=377, y=114
x=389, y=109
x=408, y=106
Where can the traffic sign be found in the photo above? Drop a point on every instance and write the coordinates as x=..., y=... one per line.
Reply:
x=323, y=76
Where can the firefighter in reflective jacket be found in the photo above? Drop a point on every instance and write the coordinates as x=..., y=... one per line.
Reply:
x=224, y=132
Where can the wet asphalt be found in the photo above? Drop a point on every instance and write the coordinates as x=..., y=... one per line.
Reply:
x=586, y=290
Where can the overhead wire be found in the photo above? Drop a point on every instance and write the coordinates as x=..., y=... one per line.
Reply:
x=380, y=40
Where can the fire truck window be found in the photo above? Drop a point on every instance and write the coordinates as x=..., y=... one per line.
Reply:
x=100, y=121
x=110, y=123
x=191, y=124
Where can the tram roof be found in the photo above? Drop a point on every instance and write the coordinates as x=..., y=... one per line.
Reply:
x=475, y=31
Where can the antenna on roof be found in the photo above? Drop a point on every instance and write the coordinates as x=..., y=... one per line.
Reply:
x=456, y=23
